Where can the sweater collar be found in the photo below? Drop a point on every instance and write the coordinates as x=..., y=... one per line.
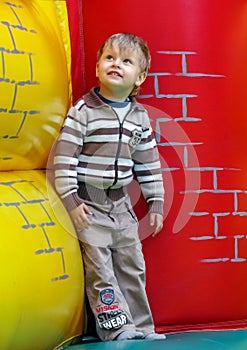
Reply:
x=94, y=101
x=111, y=103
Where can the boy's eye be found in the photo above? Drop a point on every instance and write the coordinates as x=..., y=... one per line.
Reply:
x=109, y=57
x=127, y=60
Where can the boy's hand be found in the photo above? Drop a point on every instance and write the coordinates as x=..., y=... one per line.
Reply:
x=156, y=220
x=79, y=217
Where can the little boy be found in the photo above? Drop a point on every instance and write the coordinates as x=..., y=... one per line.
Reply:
x=106, y=140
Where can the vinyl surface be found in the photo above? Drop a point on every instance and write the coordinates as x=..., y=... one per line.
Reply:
x=215, y=340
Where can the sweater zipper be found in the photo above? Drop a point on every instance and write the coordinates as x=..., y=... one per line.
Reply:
x=119, y=146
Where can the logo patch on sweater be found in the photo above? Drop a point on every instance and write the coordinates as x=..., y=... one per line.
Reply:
x=107, y=296
x=136, y=138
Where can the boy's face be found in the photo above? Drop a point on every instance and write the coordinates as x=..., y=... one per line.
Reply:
x=119, y=70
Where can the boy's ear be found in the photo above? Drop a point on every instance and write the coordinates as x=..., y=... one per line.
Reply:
x=141, y=78
x=96, y=70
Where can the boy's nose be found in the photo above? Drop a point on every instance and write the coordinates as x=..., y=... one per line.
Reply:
x=116, y=62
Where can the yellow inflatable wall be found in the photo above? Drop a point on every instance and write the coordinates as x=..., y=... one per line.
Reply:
x=42, y=286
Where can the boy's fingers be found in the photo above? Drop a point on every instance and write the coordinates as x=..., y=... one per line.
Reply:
x=157, y=220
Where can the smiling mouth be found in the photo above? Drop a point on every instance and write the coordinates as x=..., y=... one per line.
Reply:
x=115, y=74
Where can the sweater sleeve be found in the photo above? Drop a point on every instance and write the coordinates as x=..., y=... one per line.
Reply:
x=147, y=168
x=67, y=150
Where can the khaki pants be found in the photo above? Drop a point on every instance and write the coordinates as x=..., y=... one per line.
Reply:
x=115, y=270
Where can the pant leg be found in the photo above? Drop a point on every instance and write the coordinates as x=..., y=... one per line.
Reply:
x=108, y=304
x=129, y=267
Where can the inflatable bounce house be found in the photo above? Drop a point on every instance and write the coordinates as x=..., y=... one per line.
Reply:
x=195, y=94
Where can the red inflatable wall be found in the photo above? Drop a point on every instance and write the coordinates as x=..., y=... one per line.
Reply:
x=195, y=93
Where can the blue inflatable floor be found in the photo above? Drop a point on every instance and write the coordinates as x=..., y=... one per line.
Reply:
x=215, y=340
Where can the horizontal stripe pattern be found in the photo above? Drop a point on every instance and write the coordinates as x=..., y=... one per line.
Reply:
x=88, y=146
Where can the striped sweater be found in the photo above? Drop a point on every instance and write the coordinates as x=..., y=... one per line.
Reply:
x=97, y=149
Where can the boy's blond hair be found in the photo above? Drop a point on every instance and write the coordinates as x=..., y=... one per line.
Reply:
x=126, y=41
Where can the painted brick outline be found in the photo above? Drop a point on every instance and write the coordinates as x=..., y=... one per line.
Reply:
x=212, y=189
